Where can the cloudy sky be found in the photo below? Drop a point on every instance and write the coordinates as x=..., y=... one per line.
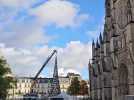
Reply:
x=31, y=29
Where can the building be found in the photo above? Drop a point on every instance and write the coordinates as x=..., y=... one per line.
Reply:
x=21, y=87
x=42, y=86
x=24, y=86
x=64, y=83
x=73, y=75
x=112, y=68
x=88, y=84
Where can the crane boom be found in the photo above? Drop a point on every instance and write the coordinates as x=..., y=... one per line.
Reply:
x=48, y=59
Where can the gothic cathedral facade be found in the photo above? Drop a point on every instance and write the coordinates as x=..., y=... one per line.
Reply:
x=112, y=66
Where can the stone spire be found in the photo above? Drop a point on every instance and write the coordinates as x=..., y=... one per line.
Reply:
x=97, y=44
x=97, y=50
x=100, y=38
x=105, y=34
x=93, y=49
x=93, y=44
x=101, y=44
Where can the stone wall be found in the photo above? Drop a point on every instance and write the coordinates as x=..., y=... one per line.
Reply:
x=112, y=68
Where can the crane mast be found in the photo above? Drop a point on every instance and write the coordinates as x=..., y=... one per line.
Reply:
x=55, y=87
x=38, y=73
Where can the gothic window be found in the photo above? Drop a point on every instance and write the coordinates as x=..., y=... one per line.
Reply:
x=105, y=81
x=99, y=68
x=123, y=40
x=122, y=43
x=103, y=65
x=116, y=45
x=119, y=43
x=115, y=59
x=123, y=80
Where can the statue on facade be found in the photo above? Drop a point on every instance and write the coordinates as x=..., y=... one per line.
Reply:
x=129, y=11
x=108, y=8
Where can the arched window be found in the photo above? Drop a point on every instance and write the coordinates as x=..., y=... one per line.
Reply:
x=123, y=80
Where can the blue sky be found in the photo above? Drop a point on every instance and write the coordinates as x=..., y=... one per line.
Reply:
x=31, y=29
x=94, y=9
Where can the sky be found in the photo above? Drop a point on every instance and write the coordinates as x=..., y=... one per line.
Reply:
x=31, y=29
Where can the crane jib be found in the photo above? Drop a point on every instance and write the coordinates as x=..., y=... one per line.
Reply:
x=44, y=64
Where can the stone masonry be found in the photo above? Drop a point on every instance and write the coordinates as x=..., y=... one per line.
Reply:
x=112, y=66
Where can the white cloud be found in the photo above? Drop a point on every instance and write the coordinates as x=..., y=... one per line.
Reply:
x=17, y=3
x=24, y=34
x=63, y=72
x=28, y=32
x=60, y=12
x=25, y=62
x=16, y=29
x=76, y=54
x=18, y=34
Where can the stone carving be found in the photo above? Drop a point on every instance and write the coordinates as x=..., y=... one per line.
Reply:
x=114, y=1
x=113, y=58
x=123, y=79
x=120, y=14
x=123, y=13
x=129, y=11
x=105, y=33
x=108, y=8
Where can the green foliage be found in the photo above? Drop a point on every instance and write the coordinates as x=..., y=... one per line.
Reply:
x=3, y=69
x=5, y=82
x=78, y=87
x=83, y=88
x=74, y=88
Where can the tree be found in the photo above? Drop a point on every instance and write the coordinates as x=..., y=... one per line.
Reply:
x=83, y=88
x=74, y=88
x=5, y=81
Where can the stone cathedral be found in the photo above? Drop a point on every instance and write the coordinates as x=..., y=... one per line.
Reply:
x=112, y=66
